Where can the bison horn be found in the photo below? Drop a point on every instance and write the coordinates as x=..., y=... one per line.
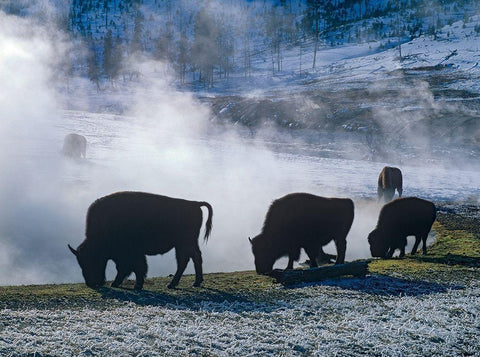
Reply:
x=73, y=250
x=250, y=239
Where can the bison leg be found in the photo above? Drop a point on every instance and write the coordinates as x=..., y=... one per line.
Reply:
x=140, y=269
x=388, y=194
x=197, y=263
x=415, y=246
x=400, y=190
x=290, y=263
x=182, y=261
x=323, y=257
x=341, y=245
x=122, y=272
x=293, y=255
x=424, y=245
x=390, y=253
x=402, y=252
x=313, y=258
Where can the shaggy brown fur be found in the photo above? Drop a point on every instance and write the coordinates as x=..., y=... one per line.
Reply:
x=302, y=220
x=398, y=219
x=74, y=146
x=389, y=179
x=126, y=226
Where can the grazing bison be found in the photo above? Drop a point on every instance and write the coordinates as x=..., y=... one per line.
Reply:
x=126, y=226
x=398, y=219
x=74, y=146
x=302, y=220
x=389, y=179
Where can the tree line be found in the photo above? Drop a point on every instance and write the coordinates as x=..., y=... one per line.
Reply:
x=207, y=41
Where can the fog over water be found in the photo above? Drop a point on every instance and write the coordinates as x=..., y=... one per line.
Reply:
x=165, y=143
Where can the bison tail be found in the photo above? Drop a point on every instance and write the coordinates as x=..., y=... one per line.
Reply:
x=208, y=225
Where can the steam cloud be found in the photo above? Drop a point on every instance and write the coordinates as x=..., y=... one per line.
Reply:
x=165, y=144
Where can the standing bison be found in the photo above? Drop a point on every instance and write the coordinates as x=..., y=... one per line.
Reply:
x=389, y=179
x=302, y=220
x=126, y=226
x=398, y=219
x=74, y=146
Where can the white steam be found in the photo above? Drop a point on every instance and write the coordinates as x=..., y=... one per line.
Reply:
x=29, y=195
x=165, y=144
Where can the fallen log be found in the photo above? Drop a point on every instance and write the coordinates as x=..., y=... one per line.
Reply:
x=297, y=276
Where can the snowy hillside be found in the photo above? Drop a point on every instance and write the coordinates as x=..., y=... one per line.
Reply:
x=207, y=42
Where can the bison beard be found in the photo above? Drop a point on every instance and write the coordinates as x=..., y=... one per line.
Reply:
x=126, y=226
x=302, y=220
x=398, y=219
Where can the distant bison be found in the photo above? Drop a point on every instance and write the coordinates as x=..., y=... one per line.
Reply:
x=74, y=146
x=398, y=219
x=389, y=179
x=126, y=226
x=302, y=220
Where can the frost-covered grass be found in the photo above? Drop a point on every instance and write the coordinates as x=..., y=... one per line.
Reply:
x=415, y=306
x=320, y=319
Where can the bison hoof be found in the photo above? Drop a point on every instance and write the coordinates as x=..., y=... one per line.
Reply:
x=171, y=286
x=138, y=287
x=115, y=285
x=197, y=284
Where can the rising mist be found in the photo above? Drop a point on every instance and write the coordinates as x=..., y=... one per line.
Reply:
x=164, y=141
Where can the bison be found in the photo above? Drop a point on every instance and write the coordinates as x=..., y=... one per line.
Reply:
x=302, y=220
x=389, y=179
x=398, y=219
x=126, y=226
x=74, y=146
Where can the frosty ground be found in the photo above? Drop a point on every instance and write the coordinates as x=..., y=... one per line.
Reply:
x=376, y=315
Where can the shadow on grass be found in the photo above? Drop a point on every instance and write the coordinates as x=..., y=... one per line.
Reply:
x=384, y=285
x=449, y=259
x=203, y=298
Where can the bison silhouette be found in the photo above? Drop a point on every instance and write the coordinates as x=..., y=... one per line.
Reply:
x=302, y=220
x=390, y=178
x=398, y=219
x=74, y=146
x=126, y=226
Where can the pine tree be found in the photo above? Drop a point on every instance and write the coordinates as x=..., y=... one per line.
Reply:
x=136, y=45
x=182, y=58
x=111, y=56
x=204, y=49
x=93, y=70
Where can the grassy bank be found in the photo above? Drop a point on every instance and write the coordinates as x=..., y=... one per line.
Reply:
x=453, y=258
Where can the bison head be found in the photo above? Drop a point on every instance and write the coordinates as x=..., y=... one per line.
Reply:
x=262, y=253
x=378, y=243
x=93, y=266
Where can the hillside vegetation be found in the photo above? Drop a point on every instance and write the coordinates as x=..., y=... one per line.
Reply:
x=207, y=42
